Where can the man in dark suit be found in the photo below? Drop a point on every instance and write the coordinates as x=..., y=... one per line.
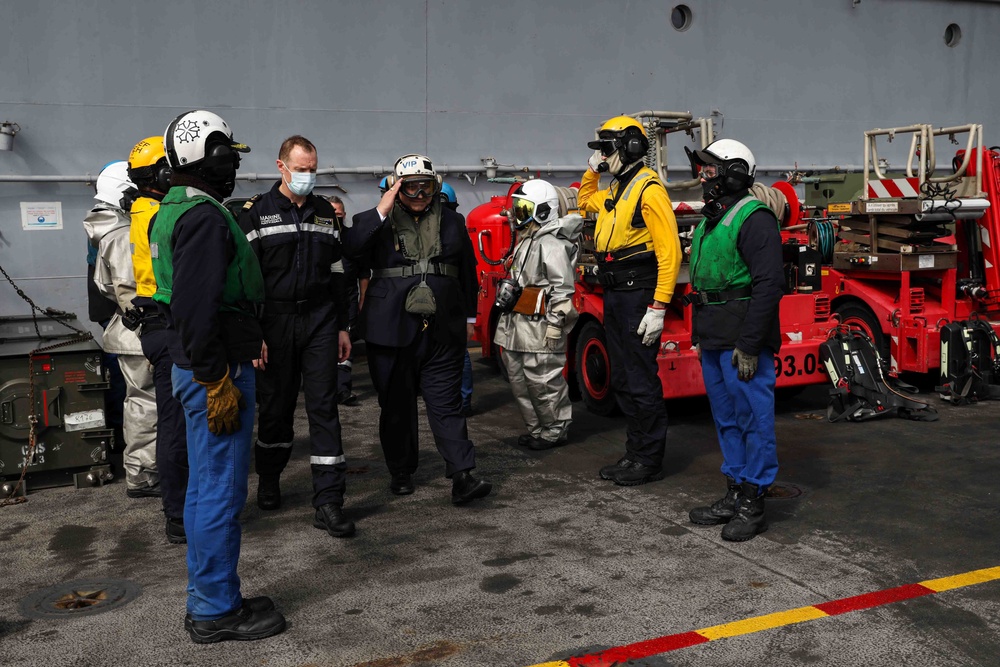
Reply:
x=419, y=310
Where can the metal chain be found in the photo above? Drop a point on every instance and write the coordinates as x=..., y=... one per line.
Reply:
x=33, y=417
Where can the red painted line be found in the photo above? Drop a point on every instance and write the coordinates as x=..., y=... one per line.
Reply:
x=621, y=654
x=869, y=600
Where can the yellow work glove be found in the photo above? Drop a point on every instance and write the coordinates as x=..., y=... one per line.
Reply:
x=223, y=401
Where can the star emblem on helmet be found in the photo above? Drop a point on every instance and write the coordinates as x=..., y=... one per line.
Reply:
x=187, y=130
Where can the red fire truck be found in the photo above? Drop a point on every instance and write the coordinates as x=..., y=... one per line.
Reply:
x=898, y=255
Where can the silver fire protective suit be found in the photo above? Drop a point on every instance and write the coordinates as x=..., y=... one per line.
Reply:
x=534, y=346
x=109, y=228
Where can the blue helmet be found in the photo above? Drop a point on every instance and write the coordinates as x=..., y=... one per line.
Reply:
x=448, y=195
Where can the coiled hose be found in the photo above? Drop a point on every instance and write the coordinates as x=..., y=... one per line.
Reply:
x=822, y=237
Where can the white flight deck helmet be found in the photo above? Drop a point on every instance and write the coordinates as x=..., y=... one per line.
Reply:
x=737, y=165
x=535, y=201
x=186, y=138
x=114, y=186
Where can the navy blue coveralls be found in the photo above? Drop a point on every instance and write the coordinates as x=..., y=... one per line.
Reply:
x=305, y=309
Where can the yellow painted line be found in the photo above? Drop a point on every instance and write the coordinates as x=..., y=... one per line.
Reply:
x=960, y=580
x=758, y=623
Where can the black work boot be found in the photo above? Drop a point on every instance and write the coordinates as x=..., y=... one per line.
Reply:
x=268, y=492
x=465, y=487
x=637, y=474
x=244, y=624
x=401, y=484
x=257, y=604
x=721, y=511
x=175, y=531
x=749, y=518
x=525, y=440
x=330, y=517
x=608, y=472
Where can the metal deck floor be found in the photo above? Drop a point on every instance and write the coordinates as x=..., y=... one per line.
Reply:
x=556, y=563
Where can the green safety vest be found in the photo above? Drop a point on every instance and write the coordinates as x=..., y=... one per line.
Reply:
x=244, y=281
x=716, y=264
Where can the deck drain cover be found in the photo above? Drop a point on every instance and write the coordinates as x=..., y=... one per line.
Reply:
x=783, y=492
x=84, y=597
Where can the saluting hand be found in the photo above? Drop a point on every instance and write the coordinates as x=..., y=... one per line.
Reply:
x=388, y=200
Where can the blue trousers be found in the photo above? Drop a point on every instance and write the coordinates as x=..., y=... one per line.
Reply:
x=744, y=416
x=217, y=490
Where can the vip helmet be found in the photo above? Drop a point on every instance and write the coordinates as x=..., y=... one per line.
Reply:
x=147, y=165
x=114, y=187
x=535, y=201
x=623, y=135
x=418, y=168
x=726, y=165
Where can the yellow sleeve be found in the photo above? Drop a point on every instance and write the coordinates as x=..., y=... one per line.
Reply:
x=590, y=198
x=658, y=213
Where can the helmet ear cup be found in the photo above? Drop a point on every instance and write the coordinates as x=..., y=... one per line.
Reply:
x=635, y=147
x=163, y=174
x=736, y=177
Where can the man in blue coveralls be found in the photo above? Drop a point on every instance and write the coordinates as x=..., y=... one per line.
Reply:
x=737, y=279
x=207, y=284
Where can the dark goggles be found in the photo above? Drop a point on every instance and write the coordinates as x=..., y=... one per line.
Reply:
x=415, y=188
x=606, y=143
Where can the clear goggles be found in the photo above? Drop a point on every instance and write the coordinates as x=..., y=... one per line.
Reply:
x=710, y=171
x=524, y=209
x=419, y=187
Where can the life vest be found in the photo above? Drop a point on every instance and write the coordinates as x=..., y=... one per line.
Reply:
x=143, y=210
x=619, y=228
x=716, y=264
x=244, y=281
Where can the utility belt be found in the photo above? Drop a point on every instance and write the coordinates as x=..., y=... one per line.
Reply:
x=148, y=317
x=433, y=269
x=630, y=268
x=292, y=307
x=709, y=297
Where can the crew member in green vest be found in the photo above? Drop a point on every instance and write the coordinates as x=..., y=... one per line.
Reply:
x=737, y=279
x=208, y=283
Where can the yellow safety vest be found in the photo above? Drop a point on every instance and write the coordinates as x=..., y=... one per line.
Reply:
x=143, y=210
x=614, y=229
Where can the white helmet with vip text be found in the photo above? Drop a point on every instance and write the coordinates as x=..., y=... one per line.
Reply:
x=535, y=201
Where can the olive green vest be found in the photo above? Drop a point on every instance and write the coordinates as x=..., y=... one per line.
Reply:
x=244, y=281
x=716, y=264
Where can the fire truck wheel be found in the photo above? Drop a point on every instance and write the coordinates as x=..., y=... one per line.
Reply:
x=860, y=317
x=593, y=370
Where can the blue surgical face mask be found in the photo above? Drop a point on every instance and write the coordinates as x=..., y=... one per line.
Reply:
x=302, y=183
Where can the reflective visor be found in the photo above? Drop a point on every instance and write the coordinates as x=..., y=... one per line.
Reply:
x=419, y=187
x=524, y=209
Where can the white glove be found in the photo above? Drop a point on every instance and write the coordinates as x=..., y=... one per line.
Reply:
x=652, y=325
x=553, y=337
x=595, y=161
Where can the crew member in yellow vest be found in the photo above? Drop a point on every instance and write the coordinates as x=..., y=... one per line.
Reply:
x=149, y=171
x=638, y=257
